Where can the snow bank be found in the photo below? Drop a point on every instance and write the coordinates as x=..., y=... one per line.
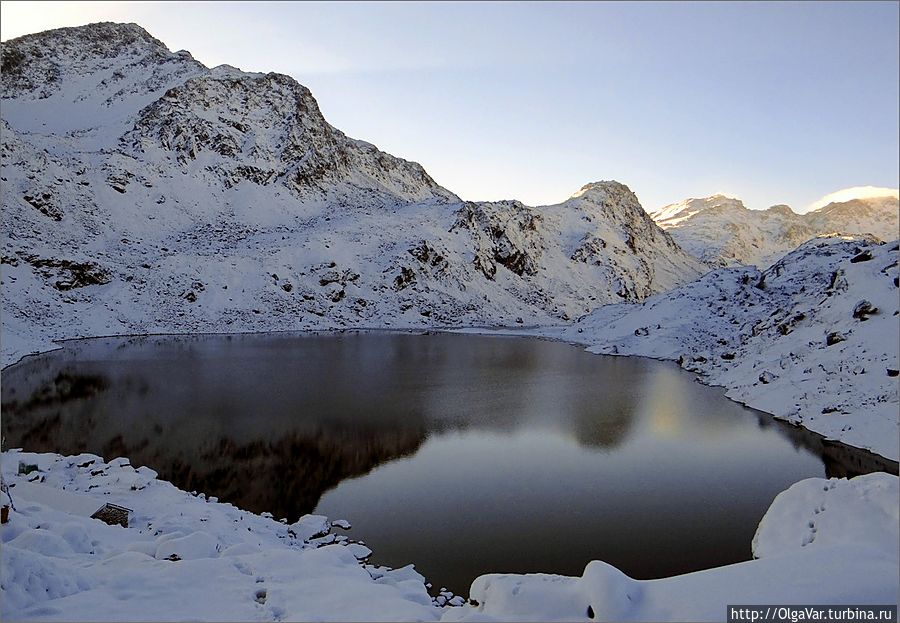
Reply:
x=182, y=556
x=854, y=565
x=814, y=514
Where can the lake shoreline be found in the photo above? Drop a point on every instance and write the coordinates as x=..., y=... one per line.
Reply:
x=546, y=332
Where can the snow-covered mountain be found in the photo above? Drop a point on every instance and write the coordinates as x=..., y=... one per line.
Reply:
x=721, y=231
x=144, y=192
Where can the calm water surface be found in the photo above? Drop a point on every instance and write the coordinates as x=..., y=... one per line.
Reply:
x=462, y=454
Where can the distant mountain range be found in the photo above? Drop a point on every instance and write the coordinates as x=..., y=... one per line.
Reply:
x=721, y=231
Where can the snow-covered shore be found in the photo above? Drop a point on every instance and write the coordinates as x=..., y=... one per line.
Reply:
x=233, y=565
x=184, y=556
x=814, y=340
x=821, y=542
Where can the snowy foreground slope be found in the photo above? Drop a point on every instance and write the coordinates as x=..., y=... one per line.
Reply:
x=814, y=339
x=145, y=193
x=182, y=556
x=721, y=231
x=187, y=557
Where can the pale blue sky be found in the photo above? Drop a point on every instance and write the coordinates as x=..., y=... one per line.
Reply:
x=770, y=102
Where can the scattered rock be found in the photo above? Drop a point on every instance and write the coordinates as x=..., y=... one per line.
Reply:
x=45, y=205
x=71, y=274
x=838, y=281
x=767, y=377
x=404, y=279
x=864, y=309
x=427, y=254
x=834, y=337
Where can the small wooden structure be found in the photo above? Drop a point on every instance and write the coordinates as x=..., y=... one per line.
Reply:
x=113, y=514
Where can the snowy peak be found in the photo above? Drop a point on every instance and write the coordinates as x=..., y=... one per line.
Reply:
x=612, y=198
x=781, y=210
x=864, y=206
x=855, y=192
x=877, y=216
x=267, y=128
x=599, y=192
x=88, y=81
x=615, y=203
x=39, y=65
x=116, y=88
x=81, y=43
x=674, y=213
x=722, y=231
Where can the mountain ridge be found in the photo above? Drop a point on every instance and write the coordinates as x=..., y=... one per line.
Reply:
x=722, y=231
x=149, y=193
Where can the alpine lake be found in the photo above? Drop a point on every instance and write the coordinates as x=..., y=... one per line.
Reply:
x=463, y=454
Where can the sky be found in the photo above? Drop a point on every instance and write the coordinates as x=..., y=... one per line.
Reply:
x=771, y=102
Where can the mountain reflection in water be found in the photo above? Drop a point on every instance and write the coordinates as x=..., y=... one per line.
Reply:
x=491, y=431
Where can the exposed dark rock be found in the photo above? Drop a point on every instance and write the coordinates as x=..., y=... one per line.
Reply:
x=766, y=377
x=590, y=251
x=337, y=295
x=504, y=234
x=864, y=309
x=838, y=281
x=404, y=279
x=69, y=274
x=45, y=204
